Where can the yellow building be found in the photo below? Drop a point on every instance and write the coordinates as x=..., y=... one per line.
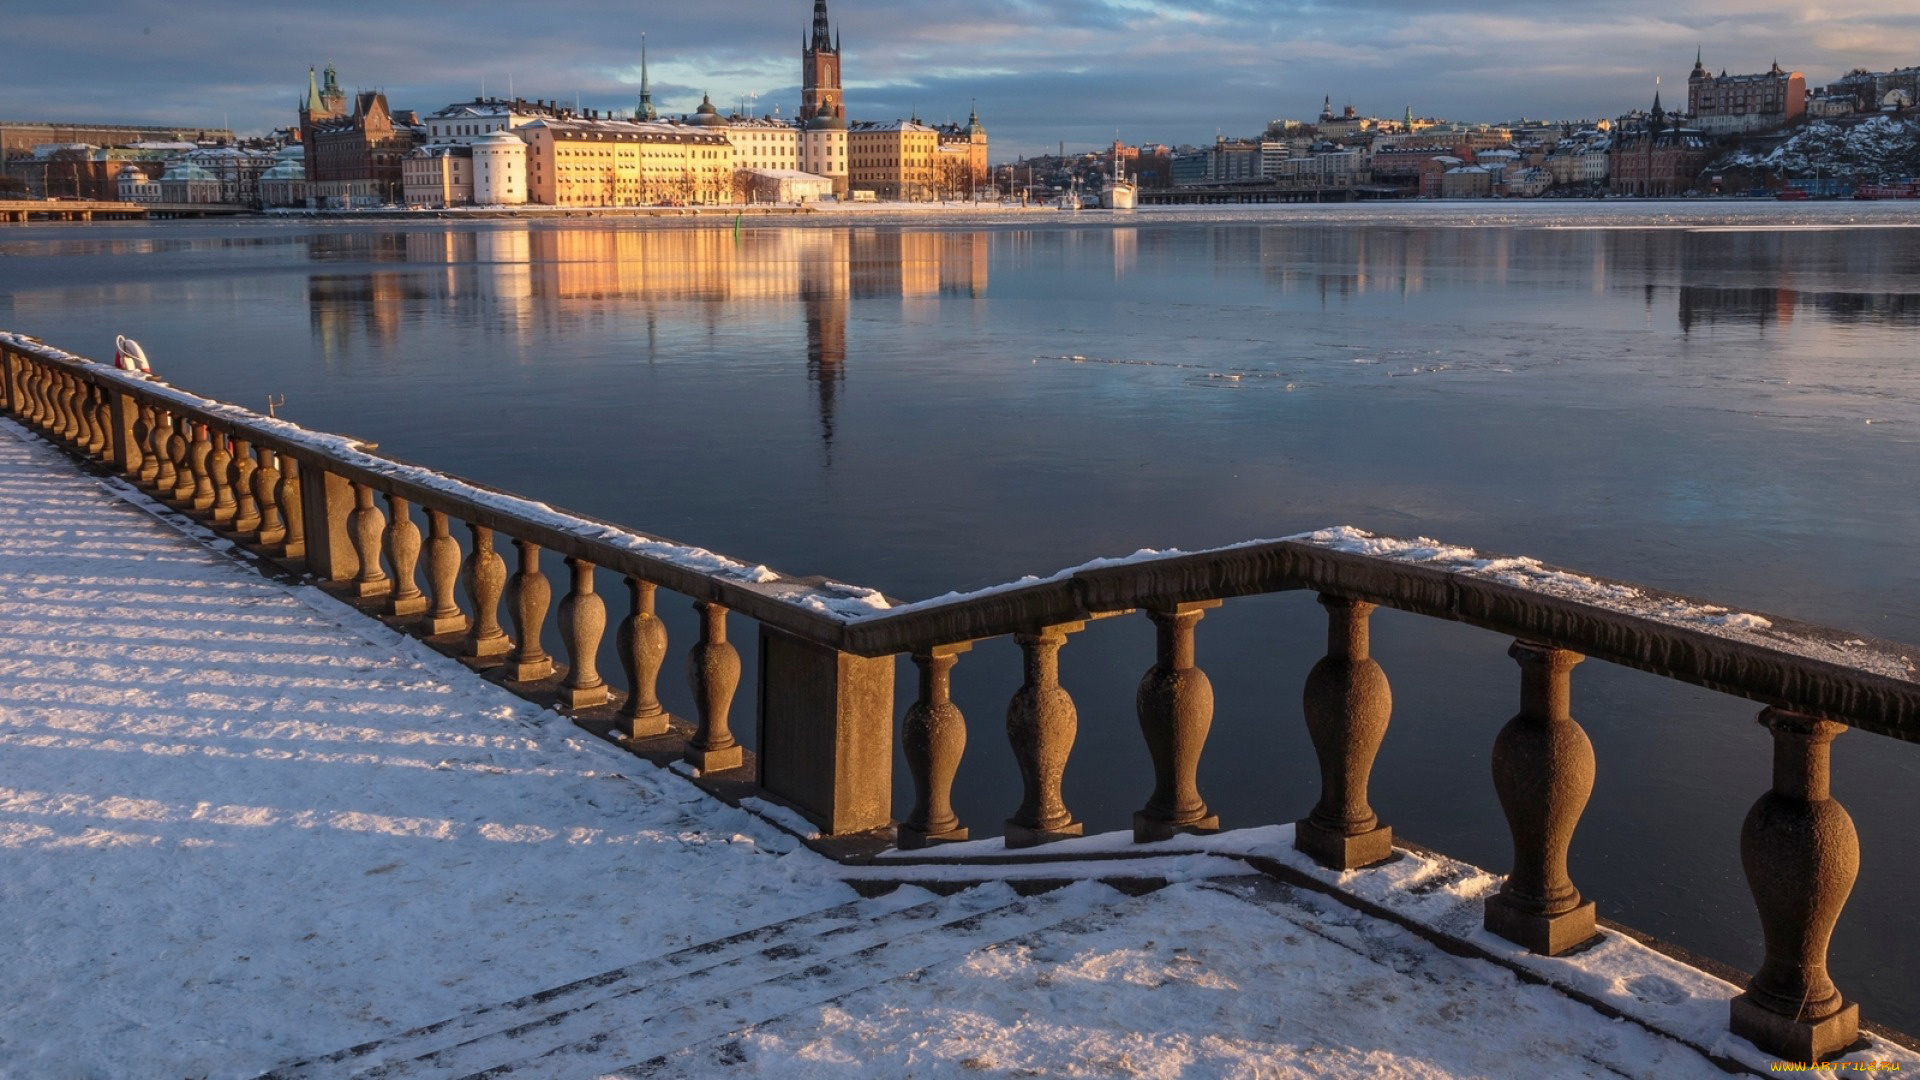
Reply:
x=963, y=167
x=894, y=159
x=595, y=162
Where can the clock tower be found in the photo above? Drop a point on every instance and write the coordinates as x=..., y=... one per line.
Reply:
x=820, y=73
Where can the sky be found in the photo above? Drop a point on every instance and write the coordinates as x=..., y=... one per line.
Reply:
x=1040, y=72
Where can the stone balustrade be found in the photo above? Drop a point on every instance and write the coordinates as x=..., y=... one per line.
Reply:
x=330, y=507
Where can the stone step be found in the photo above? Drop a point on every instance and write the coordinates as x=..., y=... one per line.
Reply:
x=647, y=1009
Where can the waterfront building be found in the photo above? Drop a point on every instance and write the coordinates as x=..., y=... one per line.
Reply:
x=284, y=184
x=356, y=160
x=894, y=159
x=1728, y=104
x=18, y=139
x=1655, y=156
x=963, y=162
x=824, y=147
x=591, y=161
x=439, y=175
x=500, y=169
x=465, y=121
x=135, y=185
x=323, y=103
x=764, y=143
x=187, y=183
x=237, y=168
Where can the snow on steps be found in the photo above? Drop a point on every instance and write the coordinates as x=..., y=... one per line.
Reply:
x=654, y=1007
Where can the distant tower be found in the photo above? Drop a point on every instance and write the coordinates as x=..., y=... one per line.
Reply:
x=1697, y=81
x=820, y=71
x=324, y=102
x=646, y=111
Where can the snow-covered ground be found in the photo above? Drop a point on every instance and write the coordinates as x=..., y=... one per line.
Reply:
x=242, y=826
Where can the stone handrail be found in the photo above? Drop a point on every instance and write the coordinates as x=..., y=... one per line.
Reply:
x=825, y=697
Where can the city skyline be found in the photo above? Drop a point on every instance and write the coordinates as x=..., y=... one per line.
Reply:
x=1080, y=71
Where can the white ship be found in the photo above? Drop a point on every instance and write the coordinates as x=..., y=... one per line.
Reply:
x=1119, y=193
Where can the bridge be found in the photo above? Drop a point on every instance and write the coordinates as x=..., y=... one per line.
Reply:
x=22, y=211
x=334, y=512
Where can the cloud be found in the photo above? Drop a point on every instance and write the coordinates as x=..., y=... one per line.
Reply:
x=1039, y=70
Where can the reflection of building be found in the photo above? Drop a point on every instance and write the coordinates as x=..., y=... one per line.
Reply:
x=1725, y=103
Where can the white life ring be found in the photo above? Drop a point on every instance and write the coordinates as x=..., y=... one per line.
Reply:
x=128, y=356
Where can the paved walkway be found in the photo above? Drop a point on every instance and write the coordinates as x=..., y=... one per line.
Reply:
x=243, y=828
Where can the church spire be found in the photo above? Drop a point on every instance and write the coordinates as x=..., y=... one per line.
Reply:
x=822, y=33
x=646, y=111
x=313, y=106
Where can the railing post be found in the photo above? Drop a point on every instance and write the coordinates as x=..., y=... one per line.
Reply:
x=528, y=596
x=713, y=667
x=485, y=576
x=149, y=432
x=201, y=496
x=327, y=502
x=933, y=737
x=124, y=441
x=181, y=494
x=266, y=490
x=221, y=506
x=1175, y=707
x=1800, y=854
x=293, y=508
x=1041, y=725
x=160, y=441
x=583, y=619
x=246, y=509
x=443, y=574
x=641, y=642
x=366, y=524
x=1543, y=771
x=1347, y=703
x=402, y=544
x=826, y=732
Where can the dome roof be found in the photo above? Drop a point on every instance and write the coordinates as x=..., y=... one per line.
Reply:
x=706, y=115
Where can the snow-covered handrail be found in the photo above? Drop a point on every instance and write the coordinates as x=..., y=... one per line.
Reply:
x=825, y=701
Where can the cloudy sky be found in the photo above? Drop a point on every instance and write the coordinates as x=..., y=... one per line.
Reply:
x=1040, y=71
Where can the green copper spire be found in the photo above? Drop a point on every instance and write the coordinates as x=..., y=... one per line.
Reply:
x=646, y=111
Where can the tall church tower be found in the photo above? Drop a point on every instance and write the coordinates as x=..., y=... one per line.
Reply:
x=820, y=72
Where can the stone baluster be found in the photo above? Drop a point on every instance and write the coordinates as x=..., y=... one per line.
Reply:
x=152, y=447
x=246, y=509
x=443, y=571
x=93, y=428
x=583, y=620
x=178, y=446
x=713, y=668
x=69, y=418
x=164, y=475
x=641, y=641
x=1800, y=854
x=1347, y=703
x=266, y=489
x=1041, y=725
x=1543, y=772
x=1175, y=707
x=528, y=596
x=366, y=524
x=485, y=577
x=220, y=476
x=100, y=421
x=933, y=737
x=201, y=496
x=402, y=545
x=293, y=508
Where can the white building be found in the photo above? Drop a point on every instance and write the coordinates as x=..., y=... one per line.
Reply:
x=285, y=184
x=823, y=151
x=764, y=143
x=786, y=185
x=185, y=182
x=135, y=186
x=469, y=120
x=500, y=170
